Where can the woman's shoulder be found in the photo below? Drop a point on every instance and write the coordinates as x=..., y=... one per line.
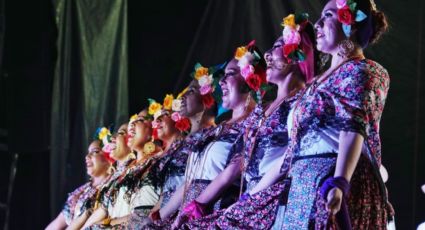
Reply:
x=365, y=67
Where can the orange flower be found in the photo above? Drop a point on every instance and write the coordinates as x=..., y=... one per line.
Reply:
x=240, y=51
x=201, y=71
x=168, y=101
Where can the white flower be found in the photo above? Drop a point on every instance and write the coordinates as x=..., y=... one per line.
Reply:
x=245, y=60
x=205, y=80
x=176, y=106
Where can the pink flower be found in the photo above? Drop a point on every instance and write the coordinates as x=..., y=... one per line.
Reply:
x=245, y=60
x=247, y=71
x=341, y=3
x=206, y=89
x=155, y=124
x=108, y=147
x=291, y=36
x=176, y=116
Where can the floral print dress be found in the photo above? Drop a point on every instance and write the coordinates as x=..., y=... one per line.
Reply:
x=266, y=140
x=351, y=99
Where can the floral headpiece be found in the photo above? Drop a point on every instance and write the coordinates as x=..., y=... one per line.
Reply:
x=248, y=58
x=348, y=15
x=170, y=106
x=206, y=82
x=104, y=135
x=293, y=24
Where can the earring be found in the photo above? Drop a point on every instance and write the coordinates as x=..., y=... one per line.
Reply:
x=345, y=47
x=247, y=102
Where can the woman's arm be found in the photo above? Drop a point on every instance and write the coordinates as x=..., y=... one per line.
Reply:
x=173, y=204
x=78, y=222
x=95, y=218
x=58, y=223
x=221, y=182
x=350, y=146
x=271, y=177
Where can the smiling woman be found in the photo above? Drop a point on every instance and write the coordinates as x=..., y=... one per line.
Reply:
x=83, y=198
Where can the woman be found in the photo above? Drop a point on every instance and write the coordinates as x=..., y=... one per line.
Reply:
x=168, y=172
x=265, y=138
x=97, y=167
x=334, y=129
x=124, y=159
x=220, y=148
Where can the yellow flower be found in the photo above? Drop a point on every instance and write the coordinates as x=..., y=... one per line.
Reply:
x=240, y=52
x=154, y=107
x=201, y=71
x=103, y=133
x=289, y=21
x=182, y=92
x=133, y=118
x=168, y=101
x=149, y=148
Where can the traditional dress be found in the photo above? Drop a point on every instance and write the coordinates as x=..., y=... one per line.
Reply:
x=351, y=99
x=266, y=141
x=209, y=156
x=130, y=191
x=167, y=174
x=80, y=200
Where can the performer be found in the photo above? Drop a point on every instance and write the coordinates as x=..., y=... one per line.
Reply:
x=189, y=115
x=220, y=147
x=334, y=129
x=266, y=137
x=109, y=206
x=98, y=168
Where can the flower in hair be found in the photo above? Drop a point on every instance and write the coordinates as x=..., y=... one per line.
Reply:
x=168, y=101
x=348, y=15
x=292, y=24
x=247, y=60
x=181, y=123
x=154, y=107
x=206, y=84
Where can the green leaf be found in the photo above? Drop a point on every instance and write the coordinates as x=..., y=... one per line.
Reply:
x=353, y=6
x=301, y=17
x=197, y=65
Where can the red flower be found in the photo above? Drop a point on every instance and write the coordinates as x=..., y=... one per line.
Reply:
x=155, y=133
x=345, y=16
x=207, y=100
x=289, y=48
x=108, y=157
x=183, y=124
x=254, y=82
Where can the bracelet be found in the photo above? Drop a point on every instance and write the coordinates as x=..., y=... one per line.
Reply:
x=244, y=197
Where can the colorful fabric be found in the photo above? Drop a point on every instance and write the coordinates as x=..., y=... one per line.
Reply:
x=74, y=205
x=350, y=99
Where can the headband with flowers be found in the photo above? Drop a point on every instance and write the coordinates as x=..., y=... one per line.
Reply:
x=207, y=83
x=248, y=60
x=104, y=135
x=293, y=24
x=170, y=106
x=348, y=15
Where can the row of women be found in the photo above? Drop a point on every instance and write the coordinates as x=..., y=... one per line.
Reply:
x=299, y=149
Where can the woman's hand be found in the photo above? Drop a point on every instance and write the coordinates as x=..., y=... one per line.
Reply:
x=181, y=219
x=334, y=200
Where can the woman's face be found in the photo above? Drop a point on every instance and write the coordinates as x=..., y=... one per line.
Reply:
x=121, y=149
x=142, y=130
x=328, y=29
x=191, y=101
x=165, y=127
x=231, y=85
x=96, y=163
x=277, y=66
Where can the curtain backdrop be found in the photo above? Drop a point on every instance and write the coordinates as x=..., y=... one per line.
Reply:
x=90, y=86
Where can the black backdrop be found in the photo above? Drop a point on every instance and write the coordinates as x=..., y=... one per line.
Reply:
x=165, y=38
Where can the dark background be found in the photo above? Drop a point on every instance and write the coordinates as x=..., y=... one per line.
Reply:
x=165, y=39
